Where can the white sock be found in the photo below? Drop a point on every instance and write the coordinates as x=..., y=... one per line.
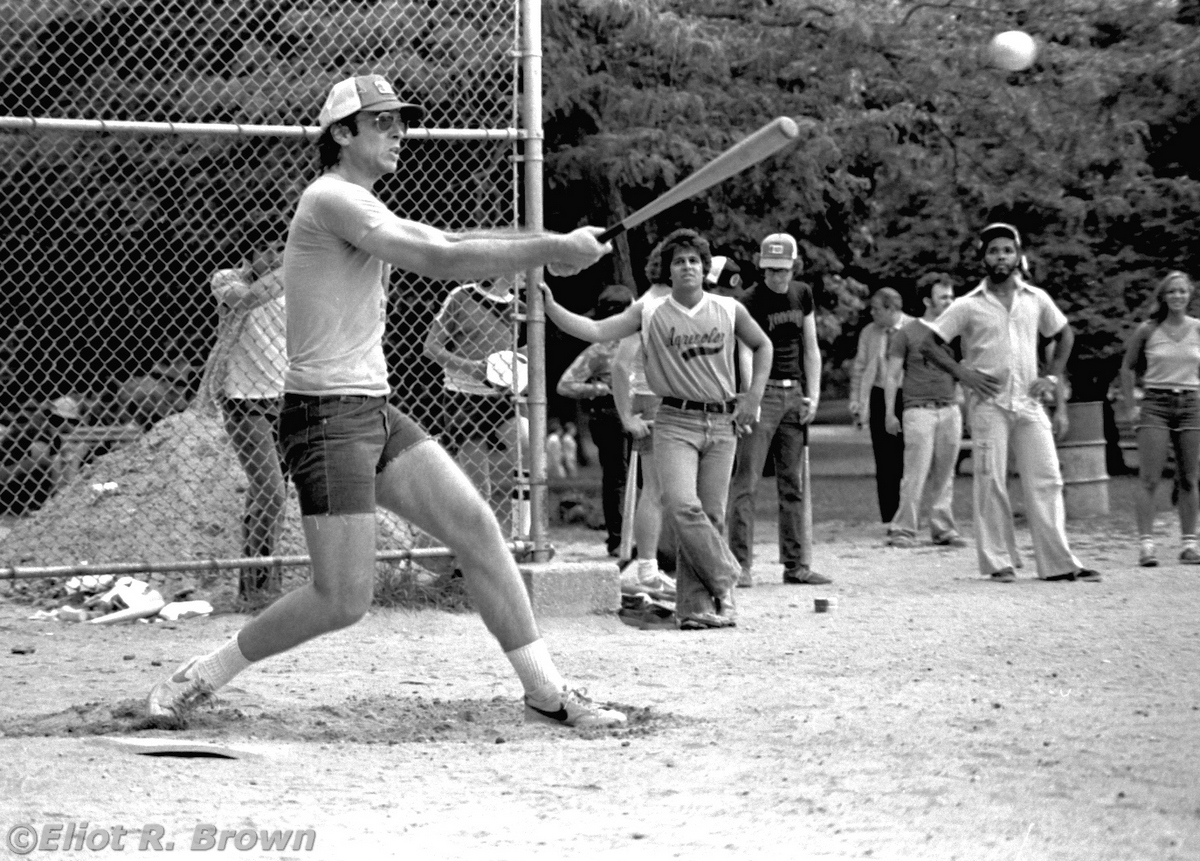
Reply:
x=1147, y=543
x=1189, y=541
x=647, y=568
x=537, y=672
x=222, y=665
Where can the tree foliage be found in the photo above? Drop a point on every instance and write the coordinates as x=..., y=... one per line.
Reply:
x=914, y=141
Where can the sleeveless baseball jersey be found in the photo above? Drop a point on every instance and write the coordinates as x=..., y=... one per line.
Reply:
x=690, y=352
x=335, y=292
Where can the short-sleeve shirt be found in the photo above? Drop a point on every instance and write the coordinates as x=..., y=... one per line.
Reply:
x=924, y=382
x=781, y=316
x=690, y=352
x=477, y=323
x=335, y=292
x=1002, y=341
x=255, y=364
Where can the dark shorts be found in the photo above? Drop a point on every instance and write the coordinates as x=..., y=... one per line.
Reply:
x=476, y=417
x=1170, y=410
x=335, y=445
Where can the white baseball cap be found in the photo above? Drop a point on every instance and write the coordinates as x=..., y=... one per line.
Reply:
x=778, y=251
x=365, y=93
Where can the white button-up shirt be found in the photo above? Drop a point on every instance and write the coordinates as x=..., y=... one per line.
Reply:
x=1003, y=341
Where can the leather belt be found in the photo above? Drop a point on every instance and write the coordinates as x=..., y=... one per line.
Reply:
x=1171, y=391
x=701, y=406
x=929, y=405
x=783, y=384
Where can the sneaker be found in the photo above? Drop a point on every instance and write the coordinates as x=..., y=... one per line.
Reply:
x=1004, y=575
x=804, y=576
x=902, y=541
x=745, y=580
x=1147, y=559
x=574, y=710
x=950, y=541
x=1190, y=556
x=180, y=693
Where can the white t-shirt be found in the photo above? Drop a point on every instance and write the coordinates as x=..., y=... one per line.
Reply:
x=256, y=361
x=336, y=293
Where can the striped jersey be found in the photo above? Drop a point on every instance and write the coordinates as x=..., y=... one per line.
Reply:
x=691, y=352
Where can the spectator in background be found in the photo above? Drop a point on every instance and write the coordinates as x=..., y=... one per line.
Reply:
x=724, y=277
x=783, y=307
x=29, y=450
x=999, y=323
x=637, y=405
x=481, y=424
x=866, y=396
x=1166, y=350
x=589, y=379
x=932, y=421
x=245, y=378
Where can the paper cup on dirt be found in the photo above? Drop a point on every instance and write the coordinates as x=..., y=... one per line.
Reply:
x=509, y=371
x=824, y=605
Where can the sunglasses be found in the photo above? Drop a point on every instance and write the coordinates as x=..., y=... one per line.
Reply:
x=385, y=121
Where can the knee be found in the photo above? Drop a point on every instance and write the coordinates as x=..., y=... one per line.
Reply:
x=346, y=607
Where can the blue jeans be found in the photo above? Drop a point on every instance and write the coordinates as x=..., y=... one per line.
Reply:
x=778, y=432
x=694, y=455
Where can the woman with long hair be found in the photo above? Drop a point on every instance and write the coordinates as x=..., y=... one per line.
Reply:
x=1165, y=350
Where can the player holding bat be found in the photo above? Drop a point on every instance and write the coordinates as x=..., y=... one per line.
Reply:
x=690, y=339
x=784, y=309
x=347, y=448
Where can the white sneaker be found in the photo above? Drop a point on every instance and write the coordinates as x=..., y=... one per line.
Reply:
x=574, y=710
x=181, y=692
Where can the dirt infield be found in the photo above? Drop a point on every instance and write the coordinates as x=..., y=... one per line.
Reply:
x=931, y=715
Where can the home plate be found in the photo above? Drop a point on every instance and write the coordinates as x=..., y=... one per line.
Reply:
x=182, y=748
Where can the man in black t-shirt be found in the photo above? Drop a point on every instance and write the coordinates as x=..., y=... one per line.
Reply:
x=784, y=309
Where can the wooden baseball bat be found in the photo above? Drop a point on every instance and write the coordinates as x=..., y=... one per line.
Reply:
x=629, y=508
x=749, y=151
x=806, y=517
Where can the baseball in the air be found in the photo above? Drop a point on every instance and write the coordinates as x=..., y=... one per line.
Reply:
x=1012, y=50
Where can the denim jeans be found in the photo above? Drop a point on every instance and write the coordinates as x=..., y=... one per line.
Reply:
x=694, y=454
x=932, y=436
x=1026, y=430
x=779, y=432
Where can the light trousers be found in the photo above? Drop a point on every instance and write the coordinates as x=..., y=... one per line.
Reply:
x=1026, y=430
x=932, y=436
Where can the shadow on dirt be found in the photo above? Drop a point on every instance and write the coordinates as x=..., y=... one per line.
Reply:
x=376, y=720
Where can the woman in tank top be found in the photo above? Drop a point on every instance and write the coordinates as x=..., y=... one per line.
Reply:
x=1166, y=351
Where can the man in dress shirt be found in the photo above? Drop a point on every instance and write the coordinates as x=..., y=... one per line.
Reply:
x=867, y=376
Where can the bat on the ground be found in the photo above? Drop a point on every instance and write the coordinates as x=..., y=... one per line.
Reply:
x=806, y=520
x=747, y=152
x=629, y=508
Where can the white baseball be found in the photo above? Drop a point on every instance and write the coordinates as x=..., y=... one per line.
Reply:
x=1012, y=50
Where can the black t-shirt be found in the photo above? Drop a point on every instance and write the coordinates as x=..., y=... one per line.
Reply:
x=781, y=316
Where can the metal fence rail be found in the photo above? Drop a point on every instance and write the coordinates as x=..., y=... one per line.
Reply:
x=146, y=146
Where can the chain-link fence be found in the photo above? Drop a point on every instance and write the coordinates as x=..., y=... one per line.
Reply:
x=147, y=146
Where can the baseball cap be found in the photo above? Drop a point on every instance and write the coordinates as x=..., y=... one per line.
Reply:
x=613, y=298
x=778, y=251
x=999, y=230
x=724, y=273
x=365, y=93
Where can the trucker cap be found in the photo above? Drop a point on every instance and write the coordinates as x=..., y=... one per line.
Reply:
x=778, y=252
x=365, y=93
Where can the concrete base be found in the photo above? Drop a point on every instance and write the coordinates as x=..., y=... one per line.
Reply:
x=572, y=588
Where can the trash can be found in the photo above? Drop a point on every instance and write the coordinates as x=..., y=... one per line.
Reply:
x=1082, y=457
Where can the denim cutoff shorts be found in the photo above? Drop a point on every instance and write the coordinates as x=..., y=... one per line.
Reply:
x=1170, y=409
x=335, y=445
